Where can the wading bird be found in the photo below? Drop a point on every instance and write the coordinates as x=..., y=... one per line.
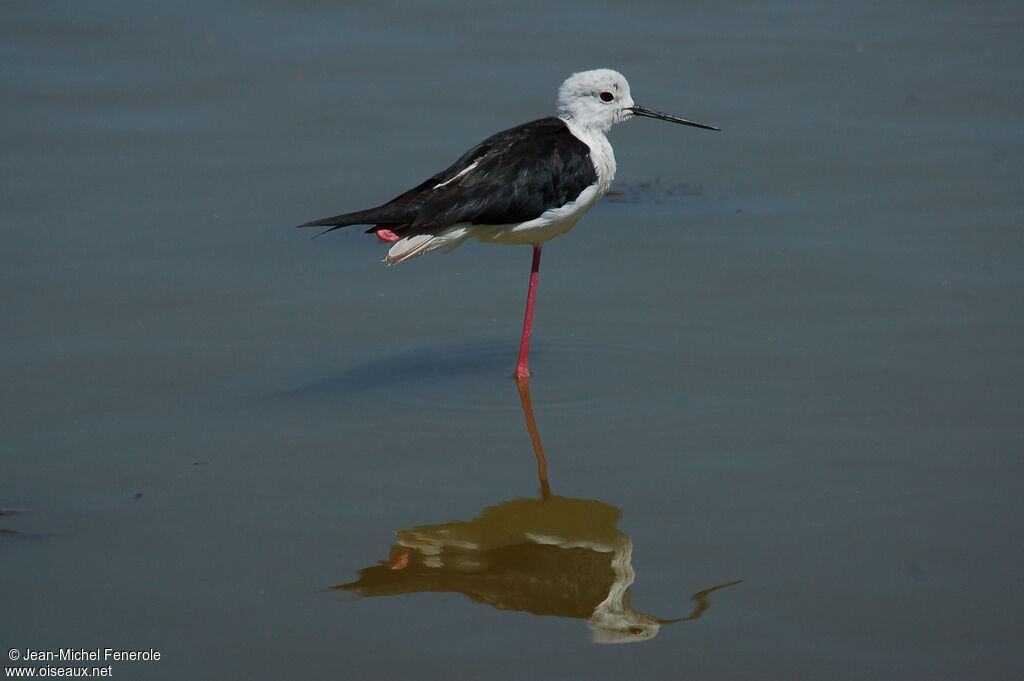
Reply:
x=524, y=185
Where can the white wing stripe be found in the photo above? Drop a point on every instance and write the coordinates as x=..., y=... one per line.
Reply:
x=460, y=174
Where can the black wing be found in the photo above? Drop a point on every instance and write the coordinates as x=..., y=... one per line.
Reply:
x=513, y=176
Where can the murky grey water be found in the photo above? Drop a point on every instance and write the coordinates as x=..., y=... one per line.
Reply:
x=788, y=353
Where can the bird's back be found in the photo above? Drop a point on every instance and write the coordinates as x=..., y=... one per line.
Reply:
x=510, y=177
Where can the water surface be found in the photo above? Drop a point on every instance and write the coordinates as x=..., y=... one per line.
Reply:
x=786, y=354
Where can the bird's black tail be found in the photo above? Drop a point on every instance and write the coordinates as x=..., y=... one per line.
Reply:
x=343, y=220
x=362, y=217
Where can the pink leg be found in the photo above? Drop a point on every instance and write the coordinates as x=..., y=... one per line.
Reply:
x=522, y=371
x=385, y=234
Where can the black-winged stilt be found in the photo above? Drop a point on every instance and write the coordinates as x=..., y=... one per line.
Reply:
x=524, y=185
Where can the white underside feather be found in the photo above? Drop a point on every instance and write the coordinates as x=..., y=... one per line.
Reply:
x=551, y=223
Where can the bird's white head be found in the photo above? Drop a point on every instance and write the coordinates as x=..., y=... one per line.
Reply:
x=595, y=99
x=600, y=98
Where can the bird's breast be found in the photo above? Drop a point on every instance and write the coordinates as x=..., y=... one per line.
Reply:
x=604, y=163
x=601, y=154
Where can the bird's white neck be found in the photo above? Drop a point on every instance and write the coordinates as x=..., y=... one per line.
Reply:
x=601, y=151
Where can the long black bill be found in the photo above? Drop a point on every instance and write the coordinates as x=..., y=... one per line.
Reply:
x=644, y=111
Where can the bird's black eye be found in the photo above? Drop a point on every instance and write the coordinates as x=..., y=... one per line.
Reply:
x=607, y=96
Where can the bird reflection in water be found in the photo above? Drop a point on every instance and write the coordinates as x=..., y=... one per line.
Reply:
x=548, y=556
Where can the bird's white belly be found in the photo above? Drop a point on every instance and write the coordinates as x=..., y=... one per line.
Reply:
x=551, y=223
